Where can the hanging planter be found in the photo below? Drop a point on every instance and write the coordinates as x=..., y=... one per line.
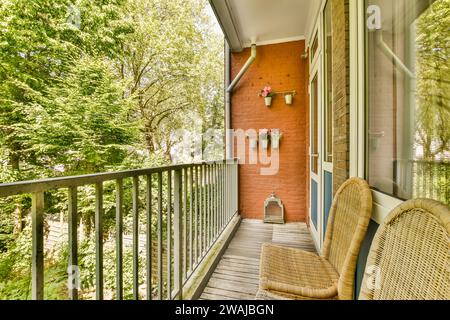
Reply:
x=267, y=94
x=264, y=138
x=275, y=138
x=288, y=98
x=268, y=101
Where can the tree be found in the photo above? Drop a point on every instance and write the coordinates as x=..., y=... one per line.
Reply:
x=172, y=63
x=433, y=82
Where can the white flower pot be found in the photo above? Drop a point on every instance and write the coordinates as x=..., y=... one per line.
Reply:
x=275, y=139
x=275, y=142
x=265, y=144
x=288, y=99
x=268, y=101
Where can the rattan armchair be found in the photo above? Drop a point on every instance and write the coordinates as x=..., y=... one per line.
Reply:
x=409, y=258
x=288, y=273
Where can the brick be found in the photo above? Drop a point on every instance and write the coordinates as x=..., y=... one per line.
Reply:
x=281, y=67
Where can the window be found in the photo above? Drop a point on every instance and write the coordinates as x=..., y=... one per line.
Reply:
x=314, y=47
x=408, y=98
x=328, y=127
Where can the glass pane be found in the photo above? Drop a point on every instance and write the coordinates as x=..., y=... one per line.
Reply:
x=314, y=127
x=328, y=138
x=409, y=99
x=314, y=47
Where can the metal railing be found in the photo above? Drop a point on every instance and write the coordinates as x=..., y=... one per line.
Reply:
x=431, y=179
x=422, y=179
x=201, y=198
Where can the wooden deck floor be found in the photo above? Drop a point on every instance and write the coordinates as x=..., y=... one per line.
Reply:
x=236, y=276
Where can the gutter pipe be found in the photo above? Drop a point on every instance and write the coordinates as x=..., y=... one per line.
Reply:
x=229, y=90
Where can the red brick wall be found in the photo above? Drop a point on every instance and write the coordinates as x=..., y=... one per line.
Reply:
x=281, y=67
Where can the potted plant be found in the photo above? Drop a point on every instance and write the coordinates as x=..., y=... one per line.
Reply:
x=267, y=94
x=264, y=138
x=275, y=137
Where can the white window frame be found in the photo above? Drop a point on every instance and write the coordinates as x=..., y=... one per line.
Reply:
x=382, y=204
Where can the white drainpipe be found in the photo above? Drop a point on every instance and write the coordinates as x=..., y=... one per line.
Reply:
x=229, y=91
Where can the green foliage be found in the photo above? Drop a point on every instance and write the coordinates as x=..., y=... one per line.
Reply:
x=433, y=82
x=90, y=86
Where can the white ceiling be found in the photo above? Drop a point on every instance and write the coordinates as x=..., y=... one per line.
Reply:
x=270, y=21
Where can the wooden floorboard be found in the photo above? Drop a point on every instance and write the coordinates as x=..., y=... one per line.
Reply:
x=237, y=275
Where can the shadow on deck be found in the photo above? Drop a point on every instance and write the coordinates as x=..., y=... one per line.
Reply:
x=237, y=274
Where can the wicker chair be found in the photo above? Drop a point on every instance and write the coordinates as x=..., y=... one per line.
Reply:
x=409, y=258
x=288, y=273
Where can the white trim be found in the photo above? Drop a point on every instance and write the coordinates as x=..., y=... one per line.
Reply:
x=357, y=90
x=383, y=205
x=313, y=22
x=275, y=41
x=318, y=57
x=224, y=15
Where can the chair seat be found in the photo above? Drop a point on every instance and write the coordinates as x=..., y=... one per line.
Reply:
x=293, y=272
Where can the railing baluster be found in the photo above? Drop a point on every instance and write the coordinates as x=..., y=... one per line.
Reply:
x=204, y=213
x=149, y=259
x=135, y=195
x=191, y=223
x=213, y=202
x=222, y=222
x=178, y=236
x=119, y=239
x=227, y=208
x=184, y=214
x=160, y=236
x=236, y=187
x=99, y=240
x=197, y=211
x=217, y=200
x=169, y=235
x=224, y=190
x=73, y=243
x=216, y=203
x=37, y=212
x=208, y=206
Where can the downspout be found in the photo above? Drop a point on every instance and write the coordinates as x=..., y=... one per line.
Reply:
x=229, y=91
x=244, y=69
x=228, y=133
x=388, y=51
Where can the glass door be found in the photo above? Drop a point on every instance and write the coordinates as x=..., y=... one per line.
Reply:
x=315, y=154
x=321, y=125
x=315, y=159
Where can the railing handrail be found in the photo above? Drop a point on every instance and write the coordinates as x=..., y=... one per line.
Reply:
x=31, y=186
x=424, y=161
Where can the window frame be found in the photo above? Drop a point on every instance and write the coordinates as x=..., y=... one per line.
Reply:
x=383, y=204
